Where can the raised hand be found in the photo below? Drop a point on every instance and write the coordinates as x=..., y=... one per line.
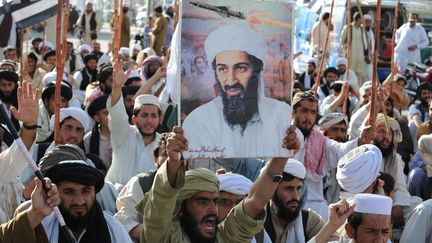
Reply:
x=119, y=76
x=42, y=204
x=339, y=212
x=28, y=104
x=176, y=144
x=291, y=141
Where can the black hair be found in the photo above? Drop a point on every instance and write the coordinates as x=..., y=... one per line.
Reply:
x=325, y=16
x=331, y=70
x=355, y=220
x=356, y=16
x=158, y=9
x=161, y=141
x=389, y=182
x=289, y=177
x=136, y=111
x=32, y=56
x=37, y=39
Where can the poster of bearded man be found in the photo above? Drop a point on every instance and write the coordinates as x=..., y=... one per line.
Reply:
x=236, y=78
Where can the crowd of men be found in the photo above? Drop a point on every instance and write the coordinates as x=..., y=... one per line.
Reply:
x=117, y=171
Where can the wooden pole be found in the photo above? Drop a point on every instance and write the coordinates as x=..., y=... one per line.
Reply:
x=395, y=26
x=117, y=27
x=320, y=67
x=60, y=71
x=21, y=56
x=373, y=111
x=345, y=107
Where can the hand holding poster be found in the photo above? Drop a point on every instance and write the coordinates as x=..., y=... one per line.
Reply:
x=236, y=78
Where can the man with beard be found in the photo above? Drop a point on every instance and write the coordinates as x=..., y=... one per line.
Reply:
x=367, y=73
x=418, y=112
x=240, y=121
x=286, y=221
x=128, y=93
x=182, y=206
x=153, y=81
x=307, y=79
x=319, y=153
x=342, y=92
x=341, y=65
x=73, y=62
x=105, y=79
x=78, y=184
x=386, y=139
x=132, y=146
x=89, y=25
x=330, y=76
x=8, y=95
x=86, y=76
x=333, y=126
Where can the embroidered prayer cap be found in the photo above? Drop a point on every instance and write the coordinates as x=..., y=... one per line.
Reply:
x=393, y=125
x=84, y=47
x=234, y=183
x=300, y=96
x=8, y=62
x=47, y=44
x=74, y=112
x=331, y=119
x=341, y=61
x=77, y=171
x=373, y=204
x=235, y=38
x=96, y=105
x=295, y=168
x=146, y=99
x=359, y=168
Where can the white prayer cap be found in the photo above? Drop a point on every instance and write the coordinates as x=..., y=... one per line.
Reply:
x=104, y=59
x=149, y=51
x=359, y=168
x=137, y=47
x=84, y=47
x=373, y=204
x=146, y=99
x=367, y=17
x=331, y=119
x=133, y=74
x=52, y=77
x=295, y=168
x=341, y=61
x=74, y=112
x=235, y=38
x=46, y=44
x=234, y=183
x=124, y=51
x=366, y=85
x=313, y=60
x=425, y=144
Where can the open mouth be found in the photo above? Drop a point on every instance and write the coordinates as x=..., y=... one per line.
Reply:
x=209, y=224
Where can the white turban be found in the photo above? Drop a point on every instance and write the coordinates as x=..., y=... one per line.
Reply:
x=46, y=44
x=52, y=77
x=84, y=47
x=366, y=85
x=359, y=168
x=104, y=59
x=331, y=119
x=74, y=112
x=235, y=38
x=314, y=61
x=367, y=17
x=295, y=168
x=124, y=51
x=137, y=47
x=149, y=51
x=341, y=60
x=373, y=204
x=234, y=183
x=146, y=99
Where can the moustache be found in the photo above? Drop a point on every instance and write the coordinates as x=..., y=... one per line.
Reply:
x=234, y=86
x=210, y=217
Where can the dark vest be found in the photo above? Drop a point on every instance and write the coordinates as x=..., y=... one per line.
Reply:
x=93, y=23
x=72, y=63
x=87, y=78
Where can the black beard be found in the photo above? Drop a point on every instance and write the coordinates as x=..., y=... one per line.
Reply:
x=368, y=28
x=306, y=132
x=189, y=224
x=283, y=212
x=239, y=109
x=424, y=102
x=150, y=73
x=9, y=99
x=385, y=151
x=74, y=223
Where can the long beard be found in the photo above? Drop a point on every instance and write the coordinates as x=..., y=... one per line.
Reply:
x=190, y=225
x=239, y=109
x=9, y=99
x=385, y=151
x=283, y=212
x=305, y=132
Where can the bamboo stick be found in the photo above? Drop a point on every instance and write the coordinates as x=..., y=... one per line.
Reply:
x=320, y=67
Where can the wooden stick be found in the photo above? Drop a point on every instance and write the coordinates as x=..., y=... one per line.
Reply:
x=372, y=112
x=345, y=108
x=324, y=51
x=395, y=26
x=21, y=56
x=59, y=73
x=65, y=32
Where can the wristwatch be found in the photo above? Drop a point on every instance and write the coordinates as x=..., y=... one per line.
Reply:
x=274, y=177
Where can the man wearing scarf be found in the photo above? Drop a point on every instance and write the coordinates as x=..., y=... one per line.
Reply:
x=319, y=152
x=78, y=184
x=286, y=221
x=181, y=206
